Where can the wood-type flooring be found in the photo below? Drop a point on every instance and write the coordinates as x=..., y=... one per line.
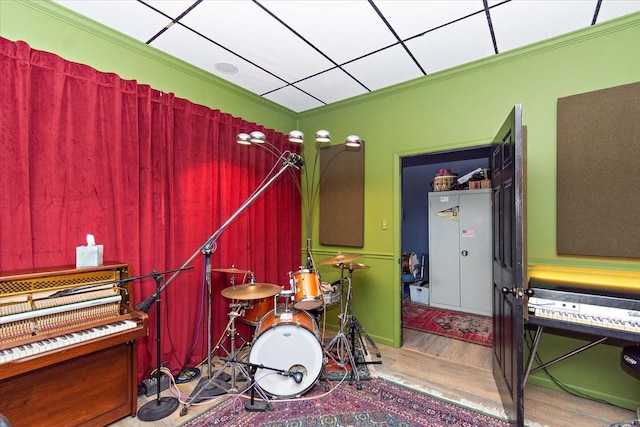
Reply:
x=456, y=371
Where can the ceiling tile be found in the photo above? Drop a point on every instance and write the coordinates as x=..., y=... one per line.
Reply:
x=343, y=30
x=375, y=73
x=244, y=28
x=332, y=86
x=410, y=17
x=172, y=8
x=293, y=99
x=519, y=23
x=193, y=49
x=127, y=16
x=461, y=42
x=615, y=8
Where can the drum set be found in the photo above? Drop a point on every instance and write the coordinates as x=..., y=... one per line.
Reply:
x=287, y=355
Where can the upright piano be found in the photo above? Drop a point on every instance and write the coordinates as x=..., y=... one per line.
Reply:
x=67, y=346
x=601, y=303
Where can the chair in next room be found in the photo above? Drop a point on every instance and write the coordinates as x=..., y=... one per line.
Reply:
x=413, y=269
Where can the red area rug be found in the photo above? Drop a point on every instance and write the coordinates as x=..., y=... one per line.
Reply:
x=379, y=403
x=453, y=324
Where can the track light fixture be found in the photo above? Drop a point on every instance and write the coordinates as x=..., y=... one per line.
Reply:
x=296, y=137
x=353, y=141
x=323, y=136
x=243, y=139
x=257, y=137
x=312, y=179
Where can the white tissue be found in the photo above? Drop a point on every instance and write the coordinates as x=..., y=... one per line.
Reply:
x=91, y=255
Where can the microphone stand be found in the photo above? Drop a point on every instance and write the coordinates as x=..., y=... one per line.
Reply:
x=162, y=406
x=209, y=246
x=293, y=160
x=252, y=405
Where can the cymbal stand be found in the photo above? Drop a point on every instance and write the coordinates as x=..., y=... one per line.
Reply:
x=355, y=327
x=238, y=304
x=211, y=383
x=340, y=341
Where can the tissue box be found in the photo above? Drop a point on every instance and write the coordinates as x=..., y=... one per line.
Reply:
x=89, y=256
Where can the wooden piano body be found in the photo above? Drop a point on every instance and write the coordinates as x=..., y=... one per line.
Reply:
x=86, y=375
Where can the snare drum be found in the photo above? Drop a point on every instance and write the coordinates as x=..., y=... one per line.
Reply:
x=330, y=293
x=257, y=309
x=288, y=341
x=306, y=289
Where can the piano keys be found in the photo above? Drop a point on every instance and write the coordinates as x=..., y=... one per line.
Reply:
x=603, y=315
x=50, y=344
x=604, y=304
x=67, y=346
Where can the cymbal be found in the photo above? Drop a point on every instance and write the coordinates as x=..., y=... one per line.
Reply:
x=231, y=270
x=352, y=266
x=340, y=258
x=249, y=291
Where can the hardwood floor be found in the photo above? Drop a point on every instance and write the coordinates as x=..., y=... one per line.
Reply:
x=455, y=371
x=462, y=372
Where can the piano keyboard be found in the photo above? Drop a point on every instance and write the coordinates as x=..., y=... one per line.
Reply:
x=27, y=350
x=621, y=319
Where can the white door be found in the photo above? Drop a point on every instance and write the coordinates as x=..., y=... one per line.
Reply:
x=475, y=251
x=444, y=250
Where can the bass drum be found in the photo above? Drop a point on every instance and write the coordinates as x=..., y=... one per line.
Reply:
x=290, y=342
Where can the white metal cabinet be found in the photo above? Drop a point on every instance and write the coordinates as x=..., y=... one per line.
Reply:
x=460, y=250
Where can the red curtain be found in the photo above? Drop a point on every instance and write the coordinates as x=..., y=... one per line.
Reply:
x=152, y=176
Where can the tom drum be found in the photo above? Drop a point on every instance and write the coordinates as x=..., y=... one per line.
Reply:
x=257, y=309
x=306, y=288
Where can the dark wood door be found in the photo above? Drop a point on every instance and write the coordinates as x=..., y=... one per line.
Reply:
x=509, y=263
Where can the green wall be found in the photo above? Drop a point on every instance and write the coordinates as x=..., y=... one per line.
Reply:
x=457, y=108
x=465, y=107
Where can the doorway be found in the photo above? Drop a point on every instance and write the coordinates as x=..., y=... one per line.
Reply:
x=417, y=173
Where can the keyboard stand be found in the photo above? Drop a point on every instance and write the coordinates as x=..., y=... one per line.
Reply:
x=603, y=333
x=534, y=349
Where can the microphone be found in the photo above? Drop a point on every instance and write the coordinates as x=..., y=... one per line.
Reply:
x=297, y=375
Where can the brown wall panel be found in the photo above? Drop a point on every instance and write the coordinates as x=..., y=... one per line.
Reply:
x=342, y=196
x=598, y=168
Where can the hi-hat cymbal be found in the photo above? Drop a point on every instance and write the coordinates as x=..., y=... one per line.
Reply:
x=352, y=266
x=340, y=258
x=250, y=291
x=231, y=270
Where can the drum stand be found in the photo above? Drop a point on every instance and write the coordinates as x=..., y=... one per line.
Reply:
x=341, y=342
x=343, y=347
x=213, y=386
x=355, y=327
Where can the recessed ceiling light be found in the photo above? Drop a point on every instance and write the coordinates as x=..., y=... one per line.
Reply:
x=226, y=68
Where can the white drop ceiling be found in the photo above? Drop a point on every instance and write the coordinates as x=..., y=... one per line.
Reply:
x=304, y=54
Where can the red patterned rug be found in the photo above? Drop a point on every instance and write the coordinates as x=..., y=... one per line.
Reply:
x=453, y=324
x=380, y=403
